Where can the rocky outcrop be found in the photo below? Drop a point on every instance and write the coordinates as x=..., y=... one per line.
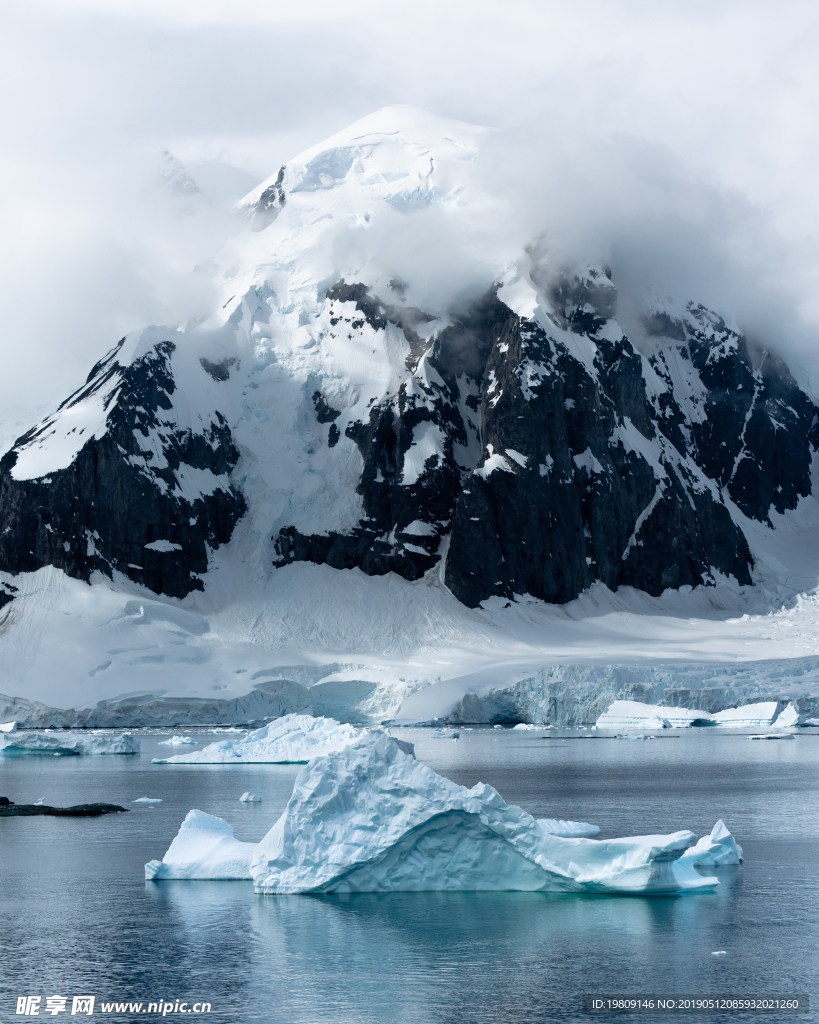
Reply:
x=539, y=455
x=145, y=495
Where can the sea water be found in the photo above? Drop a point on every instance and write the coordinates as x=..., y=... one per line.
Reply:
x=79, y=919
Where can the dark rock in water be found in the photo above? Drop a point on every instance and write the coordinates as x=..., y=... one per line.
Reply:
x=8, y=809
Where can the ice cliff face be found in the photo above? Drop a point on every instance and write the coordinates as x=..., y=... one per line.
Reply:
x=518, y=442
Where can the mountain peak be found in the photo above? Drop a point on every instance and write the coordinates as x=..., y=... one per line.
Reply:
x=395, y=144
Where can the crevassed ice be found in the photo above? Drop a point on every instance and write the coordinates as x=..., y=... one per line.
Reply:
x=372, y=819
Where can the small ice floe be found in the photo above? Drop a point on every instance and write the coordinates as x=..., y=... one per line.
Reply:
x=720, y=952
x=526, y=727
x=204, y=848
x=446, y=734
x=148, y=800
x=250, y=798
x=772, y=736
x=178, y=741
x=226, y=728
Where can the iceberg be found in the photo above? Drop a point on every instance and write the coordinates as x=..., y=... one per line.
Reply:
x=715, y=850
x=370, y=818
x=292, y=739
x=788, y=718
x=633, y=714
x=446, y=734
x=748, y=715
x=8, y=727
x=249, y=798
x=205, y=847
x=67, y=743
x=148, y=800
x=178, y=741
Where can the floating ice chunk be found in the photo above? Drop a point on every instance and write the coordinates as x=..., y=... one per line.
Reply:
x=147, y=800
x=250, y=798
x=178, y=741
x=525, y=726
x=567, y=829
x=370, y=818
x=446, y=734
x=787, y=718
x=720, y=952
x=205, y=847
x=715, y=850
x=772, y=736
x=292, y=739
x=748, y=715
x=68, y=743
x=8, y=727
x=633, y=714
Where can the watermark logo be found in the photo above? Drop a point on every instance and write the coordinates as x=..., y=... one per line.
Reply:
x=32, y=1006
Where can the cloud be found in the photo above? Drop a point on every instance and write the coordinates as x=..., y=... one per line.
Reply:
x=680, y=136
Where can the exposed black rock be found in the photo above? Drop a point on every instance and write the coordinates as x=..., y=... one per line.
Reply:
x=270, y=203
x=130, y=488
x=557, y=464
x=8, y=809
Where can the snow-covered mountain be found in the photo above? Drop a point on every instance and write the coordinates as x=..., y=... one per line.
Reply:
x=490, y=433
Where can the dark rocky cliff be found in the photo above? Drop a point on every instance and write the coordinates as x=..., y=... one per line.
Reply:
x=126, y=502
x=566, y=456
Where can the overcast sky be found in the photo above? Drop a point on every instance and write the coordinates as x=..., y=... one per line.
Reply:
x=688, y=129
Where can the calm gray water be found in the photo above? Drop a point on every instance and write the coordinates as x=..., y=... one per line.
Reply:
x=79, y=919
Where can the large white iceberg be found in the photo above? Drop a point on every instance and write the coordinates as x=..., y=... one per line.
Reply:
x=370, y=818
x=292, y=739
x=205, y=847
x=8, y=727
x=633, y=714
x=67, y=743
